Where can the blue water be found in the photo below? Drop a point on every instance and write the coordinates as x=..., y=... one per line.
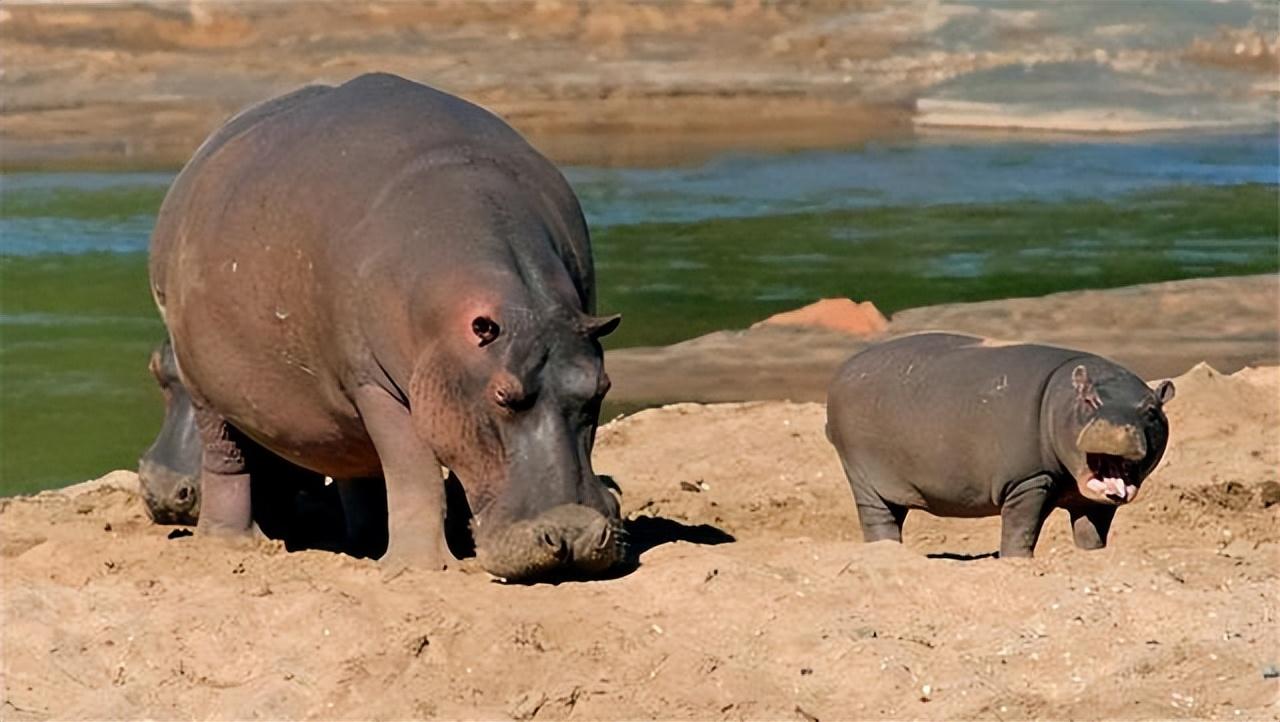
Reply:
x=919, y=172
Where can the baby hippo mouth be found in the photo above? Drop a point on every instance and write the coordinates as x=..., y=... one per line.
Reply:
x=1111, y=477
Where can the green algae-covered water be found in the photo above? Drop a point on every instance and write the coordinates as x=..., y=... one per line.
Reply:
x=680, y=252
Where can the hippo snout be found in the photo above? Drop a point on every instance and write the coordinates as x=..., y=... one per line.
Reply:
x=171, y=497
x=1101, y=436
x=570, y=539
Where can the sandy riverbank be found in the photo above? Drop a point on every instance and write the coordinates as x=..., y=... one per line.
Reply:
x=139, y=85
x=1158, y=330
x=753, y=598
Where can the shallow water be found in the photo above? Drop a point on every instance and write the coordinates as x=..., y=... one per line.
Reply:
x=680, y=252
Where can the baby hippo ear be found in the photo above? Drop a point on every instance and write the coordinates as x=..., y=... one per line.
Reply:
x=601, y=326
x=1080, y=380
x=1085, y=393
x=1165, y=392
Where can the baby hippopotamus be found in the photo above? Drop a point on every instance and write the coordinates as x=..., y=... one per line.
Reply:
x=968, y=427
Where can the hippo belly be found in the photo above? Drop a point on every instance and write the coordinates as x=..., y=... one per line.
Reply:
x=271, y=368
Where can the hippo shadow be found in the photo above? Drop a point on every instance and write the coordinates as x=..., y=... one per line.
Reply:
x=643, y=533
x=953, y=556
x=646, y=532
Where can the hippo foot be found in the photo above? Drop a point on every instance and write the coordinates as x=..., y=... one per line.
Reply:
x=231, y=536
x=226, y=505
x=425, y=557
x=210, y=526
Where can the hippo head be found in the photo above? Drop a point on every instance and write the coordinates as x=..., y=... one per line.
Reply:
x=169, y=471
x=1110, y=430
x=512, y=394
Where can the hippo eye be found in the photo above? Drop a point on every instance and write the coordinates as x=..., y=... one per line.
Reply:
x=485, y=329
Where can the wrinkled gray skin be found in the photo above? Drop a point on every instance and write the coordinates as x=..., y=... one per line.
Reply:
x=377, y=279
x=966, y=427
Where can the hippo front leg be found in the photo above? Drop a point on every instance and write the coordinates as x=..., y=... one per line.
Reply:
x=1090, y=526
x=1022, y=516
x=415, y=486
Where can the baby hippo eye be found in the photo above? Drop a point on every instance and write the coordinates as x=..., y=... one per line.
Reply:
x=485, y=329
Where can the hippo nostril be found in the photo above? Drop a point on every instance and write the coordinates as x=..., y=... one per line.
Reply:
x=556, y=543
x=606, y=538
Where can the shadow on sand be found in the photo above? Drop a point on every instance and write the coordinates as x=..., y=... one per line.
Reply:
x=963, y=557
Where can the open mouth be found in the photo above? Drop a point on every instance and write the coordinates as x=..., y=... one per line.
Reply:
x=1110, y=477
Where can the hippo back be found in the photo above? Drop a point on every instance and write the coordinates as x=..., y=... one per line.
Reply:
x=339, y=149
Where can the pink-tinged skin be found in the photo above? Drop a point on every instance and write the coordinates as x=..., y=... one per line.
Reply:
x=376, y=280
x=959, y=426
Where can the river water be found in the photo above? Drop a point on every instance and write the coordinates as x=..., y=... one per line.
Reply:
x=680, y=252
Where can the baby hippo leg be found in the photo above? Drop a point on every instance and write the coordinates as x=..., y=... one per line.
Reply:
x=1090, y=526
x=880, y=520
x=1023, y=515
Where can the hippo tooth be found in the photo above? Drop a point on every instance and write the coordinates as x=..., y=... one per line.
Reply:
x=1096, y=485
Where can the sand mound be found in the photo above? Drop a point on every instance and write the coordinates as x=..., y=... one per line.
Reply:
x=838, y=314
x=753, y=598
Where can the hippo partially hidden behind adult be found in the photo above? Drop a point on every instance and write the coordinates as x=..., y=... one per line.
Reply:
x=967, y=427
x=289, y=503
x=377, y=279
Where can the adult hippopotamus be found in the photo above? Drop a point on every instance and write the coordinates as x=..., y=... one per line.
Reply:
x=377, y=279
x=968, y=427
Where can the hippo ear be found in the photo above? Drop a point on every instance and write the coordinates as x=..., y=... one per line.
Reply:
x=1164, y=392
x=155, y=363
x=601, y=326
x=1080, y=380
x=1085, y=392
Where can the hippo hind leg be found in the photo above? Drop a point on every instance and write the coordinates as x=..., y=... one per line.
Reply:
x=225, y=494
x=880, y=520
